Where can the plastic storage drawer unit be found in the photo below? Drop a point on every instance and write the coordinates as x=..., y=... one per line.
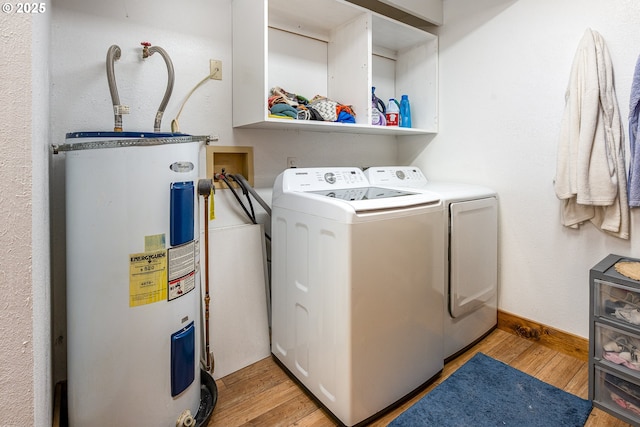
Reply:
x=614, y=339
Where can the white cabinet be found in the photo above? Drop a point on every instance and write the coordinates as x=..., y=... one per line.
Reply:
x=331, y=48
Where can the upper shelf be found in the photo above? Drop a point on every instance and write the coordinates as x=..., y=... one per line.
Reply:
x=317, y=126
x=331, y=48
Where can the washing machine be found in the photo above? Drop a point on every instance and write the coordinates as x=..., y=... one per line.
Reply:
x=357, y=301
x=471, y=245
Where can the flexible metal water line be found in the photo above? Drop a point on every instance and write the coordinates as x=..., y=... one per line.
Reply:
x=147, y=51
x=113, y=54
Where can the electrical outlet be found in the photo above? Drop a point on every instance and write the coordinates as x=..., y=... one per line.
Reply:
x=292, y=162
x=215, y=69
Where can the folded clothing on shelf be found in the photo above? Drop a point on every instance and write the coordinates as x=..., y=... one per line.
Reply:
x=283, y=104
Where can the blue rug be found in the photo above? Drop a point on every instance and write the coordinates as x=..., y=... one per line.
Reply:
x=486, y=392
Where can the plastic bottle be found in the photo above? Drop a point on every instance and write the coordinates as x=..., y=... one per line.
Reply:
x=405, y=112
x=377, y=110
x=393, y=112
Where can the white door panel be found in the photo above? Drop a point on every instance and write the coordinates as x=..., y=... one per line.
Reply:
x=473, y=247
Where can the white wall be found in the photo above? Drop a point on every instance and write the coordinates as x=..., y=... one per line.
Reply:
x=504, y=69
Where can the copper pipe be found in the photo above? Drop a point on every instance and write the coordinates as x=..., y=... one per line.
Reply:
x=204, y=189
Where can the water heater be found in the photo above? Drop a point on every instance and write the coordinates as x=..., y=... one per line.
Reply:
x=133, y=279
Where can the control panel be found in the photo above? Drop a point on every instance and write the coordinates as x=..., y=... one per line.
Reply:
x=318, y=179
x=404, y=176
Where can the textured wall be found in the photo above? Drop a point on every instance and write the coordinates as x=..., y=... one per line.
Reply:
x=16, y=357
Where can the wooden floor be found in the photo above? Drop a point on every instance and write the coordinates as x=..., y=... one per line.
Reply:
x=263, y=395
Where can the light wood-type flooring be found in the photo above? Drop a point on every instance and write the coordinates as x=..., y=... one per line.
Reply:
x=263, y=395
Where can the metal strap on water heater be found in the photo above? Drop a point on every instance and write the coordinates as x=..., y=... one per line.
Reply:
x=133, y=142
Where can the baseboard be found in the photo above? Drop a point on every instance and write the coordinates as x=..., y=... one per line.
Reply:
x=561, y=341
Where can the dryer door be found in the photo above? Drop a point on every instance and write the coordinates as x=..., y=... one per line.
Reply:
x=473, y=254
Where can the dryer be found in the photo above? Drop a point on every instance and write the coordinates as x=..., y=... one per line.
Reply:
x=471, y=245
x=357, y=301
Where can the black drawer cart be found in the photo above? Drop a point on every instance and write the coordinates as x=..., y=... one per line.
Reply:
x=614, y=338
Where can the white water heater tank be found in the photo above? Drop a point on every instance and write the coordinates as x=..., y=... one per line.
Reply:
x=133, y=281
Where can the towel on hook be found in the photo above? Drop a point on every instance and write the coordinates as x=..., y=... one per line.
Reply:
x=634, y=122
x=591, y=178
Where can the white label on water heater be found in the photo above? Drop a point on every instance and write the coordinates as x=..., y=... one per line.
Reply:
x=181, y=269
x=182, y=286
x=181, y=260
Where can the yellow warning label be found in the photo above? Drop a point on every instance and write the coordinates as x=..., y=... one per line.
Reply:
x=212, y=206
x=147, y=277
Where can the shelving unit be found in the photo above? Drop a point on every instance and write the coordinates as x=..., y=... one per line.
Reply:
x=614, y=341
x=335, y=49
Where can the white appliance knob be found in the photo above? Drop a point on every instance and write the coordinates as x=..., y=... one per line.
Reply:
x=330, y=177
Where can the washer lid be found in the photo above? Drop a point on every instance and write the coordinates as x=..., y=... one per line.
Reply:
x=319, y=190
x=410, y=177
x=370, y=199
x=363, y=193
